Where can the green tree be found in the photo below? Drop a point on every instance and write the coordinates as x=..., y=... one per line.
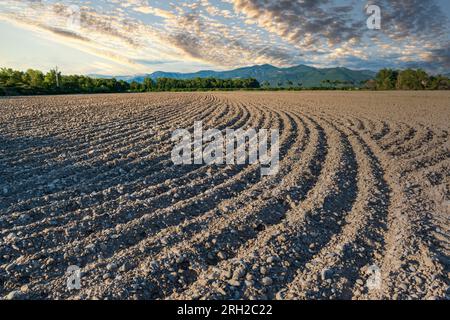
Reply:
x=33, y=78
x=135, y=86
x=11, y=78
x=50, y=79
x=386, y=79
x=410, y=79
x=439, y=83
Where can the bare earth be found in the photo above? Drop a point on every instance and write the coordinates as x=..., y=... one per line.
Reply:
x=364, y=181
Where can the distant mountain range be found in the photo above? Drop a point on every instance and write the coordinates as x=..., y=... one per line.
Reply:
x=292, y=76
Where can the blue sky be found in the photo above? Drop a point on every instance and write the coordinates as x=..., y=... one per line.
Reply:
x=123, y=37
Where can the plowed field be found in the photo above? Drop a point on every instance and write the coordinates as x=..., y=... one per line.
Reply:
x=364, y=181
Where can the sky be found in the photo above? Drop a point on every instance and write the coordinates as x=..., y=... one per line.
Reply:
x=127, y=37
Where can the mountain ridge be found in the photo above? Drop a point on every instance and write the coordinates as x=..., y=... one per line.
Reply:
x=266, y=74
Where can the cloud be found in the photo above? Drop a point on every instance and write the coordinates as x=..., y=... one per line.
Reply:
x=189, y=36
x=207, y=40
x=154, y=11
x=308, y=24
x=441, y=56
x=330, y=30
x=232, y=33
x=118, y=39
x=419, y=19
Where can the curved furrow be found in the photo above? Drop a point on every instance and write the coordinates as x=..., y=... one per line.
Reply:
x=119, y=180
x=119, y=126
x=256, y=252
x=425, y=142
x=421, y=139
x=380, y=129
x=342, y=264
x=115, y=140
x=60, y=170
x=437, y=140
x=423, y=162
x=42, y=203
x=210, y=109
x=201, y=235
x=121, y=118
x=406, y=136
x=116, y=195
x=437, y=174
x=47, y=240
x=396, y=135
x=409, y=268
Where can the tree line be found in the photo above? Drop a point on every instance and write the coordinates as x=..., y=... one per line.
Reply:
x=13, y=82
x=168, y=84
x=409, y=79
